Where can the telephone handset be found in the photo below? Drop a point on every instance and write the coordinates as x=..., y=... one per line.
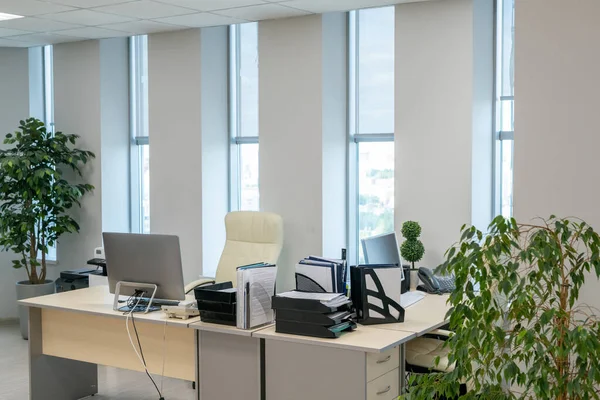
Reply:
x=435, y=284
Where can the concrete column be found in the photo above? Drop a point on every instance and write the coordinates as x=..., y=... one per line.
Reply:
x=188, y=142
x=557, y=84
x=444, y=103
x=91, y=100
x=14, y=106
x=302, y=81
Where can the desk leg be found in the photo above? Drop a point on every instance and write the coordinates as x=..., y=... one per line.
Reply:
x=403, y=381
x=54, y=378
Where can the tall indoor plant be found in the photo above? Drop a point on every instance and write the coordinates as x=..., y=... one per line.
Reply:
x=524, y=334
x=35, y=197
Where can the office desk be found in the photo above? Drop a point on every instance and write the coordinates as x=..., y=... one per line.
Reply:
x=71, y=333
x=364, y=364
x=229, y=362
x=423, y=316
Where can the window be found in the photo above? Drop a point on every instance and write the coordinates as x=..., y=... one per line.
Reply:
x=244, y=117
x=48, y=82
x=371, y=125
x=140, y=152
x=505, y=106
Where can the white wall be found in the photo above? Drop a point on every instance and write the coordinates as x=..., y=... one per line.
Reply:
x=187, y=72
x=443, y=122
x=91, y=101
x=556, y=168
x=299, y=127
x=14, y=106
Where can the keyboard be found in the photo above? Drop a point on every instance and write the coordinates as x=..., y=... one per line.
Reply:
x=409, y=298
x=159, y=302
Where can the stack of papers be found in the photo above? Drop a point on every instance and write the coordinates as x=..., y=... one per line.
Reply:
x=327, y=299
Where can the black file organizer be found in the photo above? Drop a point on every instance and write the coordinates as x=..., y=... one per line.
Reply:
x=370, y=313
x=215, y=306
x=311, y=318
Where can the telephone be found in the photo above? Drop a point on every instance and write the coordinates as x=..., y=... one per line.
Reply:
x=434, y=283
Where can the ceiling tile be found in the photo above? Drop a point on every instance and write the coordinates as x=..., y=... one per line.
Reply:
x=199, y=20
x=145, y=9
x=13, y=43
x=36, y=24
x=143, y=26
x=93, y=32
x=30, y=7
x=46, y=38
x=212, y=5
x=11, y=32
x=87, y=17
x=265, y=11
x=87, y=3
x=323, y=6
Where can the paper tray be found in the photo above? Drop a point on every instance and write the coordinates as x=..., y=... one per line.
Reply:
x=305, y=317
x=286, y=303
x=213, y=293
x=299, y=328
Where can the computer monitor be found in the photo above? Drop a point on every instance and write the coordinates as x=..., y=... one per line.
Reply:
x=147, y=259
x=382, y=249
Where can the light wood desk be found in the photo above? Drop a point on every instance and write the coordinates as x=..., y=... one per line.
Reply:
x=230, y=362
x=364, y=364
x=423, y=316
x=71, y=333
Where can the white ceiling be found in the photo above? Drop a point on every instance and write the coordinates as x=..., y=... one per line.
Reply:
x=58, y=21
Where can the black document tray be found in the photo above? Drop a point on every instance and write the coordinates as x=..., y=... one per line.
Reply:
x=299, y=328
x=212, y=293
x=286, y=303
x=311, y=317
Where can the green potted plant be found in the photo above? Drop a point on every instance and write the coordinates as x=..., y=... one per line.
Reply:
x=412, y=249
x=35, y=197
x=523, y=334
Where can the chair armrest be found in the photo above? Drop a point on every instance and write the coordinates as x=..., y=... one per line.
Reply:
x=439, y=334
x=200, y=282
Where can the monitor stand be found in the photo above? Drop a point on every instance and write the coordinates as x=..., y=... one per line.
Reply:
x=135, y=285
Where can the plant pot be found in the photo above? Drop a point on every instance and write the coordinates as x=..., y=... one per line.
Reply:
x=26, y=290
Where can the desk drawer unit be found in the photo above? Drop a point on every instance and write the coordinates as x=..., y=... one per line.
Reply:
x=379, y=364
x=385, y=387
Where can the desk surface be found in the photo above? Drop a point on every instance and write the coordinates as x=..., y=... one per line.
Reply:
x=228, y=329
x=366, y=339
x=97, y=301
x=423, y=316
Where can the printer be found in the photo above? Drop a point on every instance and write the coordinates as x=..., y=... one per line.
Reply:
x=79, y=278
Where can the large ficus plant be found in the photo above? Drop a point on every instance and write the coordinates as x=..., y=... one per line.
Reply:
x=523, y=334
x=35, y=194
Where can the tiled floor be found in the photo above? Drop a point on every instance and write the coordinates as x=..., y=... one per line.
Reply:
x=113, y=383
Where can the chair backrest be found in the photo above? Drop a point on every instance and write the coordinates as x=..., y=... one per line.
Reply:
x=251, y=237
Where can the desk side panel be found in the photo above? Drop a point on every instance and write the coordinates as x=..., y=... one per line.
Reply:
x=297, y=371
x=104, y=341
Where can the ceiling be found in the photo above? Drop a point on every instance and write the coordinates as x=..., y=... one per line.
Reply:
x=58, y=21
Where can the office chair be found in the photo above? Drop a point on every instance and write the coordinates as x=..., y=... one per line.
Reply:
x=251, y=237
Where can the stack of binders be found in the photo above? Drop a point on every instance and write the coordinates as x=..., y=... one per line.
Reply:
x=217, y=303
x=319, y=274
x=323, y=315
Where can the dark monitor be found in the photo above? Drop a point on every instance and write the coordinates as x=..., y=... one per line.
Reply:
x=382, y=249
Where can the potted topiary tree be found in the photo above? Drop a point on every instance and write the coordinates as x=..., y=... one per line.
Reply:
x=35, y=197
x=524, y=334
x=412, y=249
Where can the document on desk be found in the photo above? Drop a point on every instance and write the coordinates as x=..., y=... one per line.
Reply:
x=256, y=287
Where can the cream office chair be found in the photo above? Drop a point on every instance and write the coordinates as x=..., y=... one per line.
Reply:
x=251, y=237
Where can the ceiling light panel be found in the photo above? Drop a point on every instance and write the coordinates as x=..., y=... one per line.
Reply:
x=6, y=17
x=87, y=3
x=31, y=7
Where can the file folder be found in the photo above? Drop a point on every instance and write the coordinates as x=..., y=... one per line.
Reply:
x=256, y=286
x=319, y=274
